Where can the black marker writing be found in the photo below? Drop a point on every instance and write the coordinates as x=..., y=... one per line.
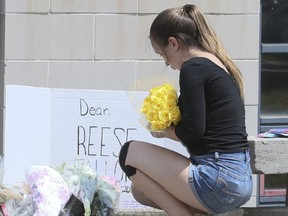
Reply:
x=85, y=109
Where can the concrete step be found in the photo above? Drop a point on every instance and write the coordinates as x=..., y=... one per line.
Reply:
x=267, y=211
x=261, y=211
x=144, y=212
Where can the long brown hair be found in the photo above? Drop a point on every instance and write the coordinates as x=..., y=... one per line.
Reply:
x=188, y=25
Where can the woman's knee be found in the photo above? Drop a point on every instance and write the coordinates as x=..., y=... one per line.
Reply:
x=128, y=170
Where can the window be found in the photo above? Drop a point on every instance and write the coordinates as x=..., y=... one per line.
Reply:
x=274, y=21
x=274, y=87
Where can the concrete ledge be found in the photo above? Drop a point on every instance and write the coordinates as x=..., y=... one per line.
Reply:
x=269, y=155
x=269, y=211
x=263, y=211
x=144, y=212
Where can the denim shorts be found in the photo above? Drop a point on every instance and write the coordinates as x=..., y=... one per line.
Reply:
x=221, y=181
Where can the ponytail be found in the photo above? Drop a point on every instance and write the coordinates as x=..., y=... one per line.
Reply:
x=208, y=40
x=188, y=25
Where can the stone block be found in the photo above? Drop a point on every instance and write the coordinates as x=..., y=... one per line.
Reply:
x=251, y=119
x=27, y=6
x=154, y=73
x=26, y=73
x=269, y=155
x=238, y=33
x=102, y=75
x=152, y=6
x=126, y=38
x=240, y=6
x=250, y=71
x=36, y=36
x=94, y=6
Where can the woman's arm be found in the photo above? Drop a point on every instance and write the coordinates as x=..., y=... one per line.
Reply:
x=167, y=133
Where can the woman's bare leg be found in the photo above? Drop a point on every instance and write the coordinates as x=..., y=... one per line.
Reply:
x=171, y=205
x=140, y=197
x=167, y=171
x=144, y=200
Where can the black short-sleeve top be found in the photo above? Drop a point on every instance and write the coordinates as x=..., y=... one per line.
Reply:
x=213, y=113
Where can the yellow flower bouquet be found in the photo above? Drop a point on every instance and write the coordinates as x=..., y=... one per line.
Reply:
x=160, y=108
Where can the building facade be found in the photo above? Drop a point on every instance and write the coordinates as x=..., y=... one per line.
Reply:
x=104, y=45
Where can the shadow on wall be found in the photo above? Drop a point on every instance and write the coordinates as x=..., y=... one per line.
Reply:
x=2, y=72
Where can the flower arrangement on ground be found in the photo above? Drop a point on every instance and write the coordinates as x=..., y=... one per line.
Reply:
x=76, y=190
x=161, y=108
x=99, y=194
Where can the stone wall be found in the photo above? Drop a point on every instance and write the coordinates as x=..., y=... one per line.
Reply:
x=96, y=44
x=103, y=44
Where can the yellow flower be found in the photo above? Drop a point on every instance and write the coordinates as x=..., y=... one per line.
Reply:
x=172, y=95
x=160, y=107
x=170, y=104
x=157, y=125
x=152, y=116
x=175, y=116
x=164, y=115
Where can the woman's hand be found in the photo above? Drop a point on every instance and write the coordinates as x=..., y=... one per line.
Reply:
x=168, y=133
x=157, y=134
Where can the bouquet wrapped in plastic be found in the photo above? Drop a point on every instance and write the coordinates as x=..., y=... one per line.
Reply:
x=161, y=108
x=44, y=193
x=48, y=189
x=106, y=197
x=91, y=195
x=16, y=200
x=75, y=191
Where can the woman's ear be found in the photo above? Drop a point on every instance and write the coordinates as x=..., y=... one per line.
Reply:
x=173, y=42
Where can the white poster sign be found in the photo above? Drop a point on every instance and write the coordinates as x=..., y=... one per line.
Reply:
x=56, y=126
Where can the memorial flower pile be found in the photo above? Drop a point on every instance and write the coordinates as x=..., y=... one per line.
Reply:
x=99, y=194
x=75, y=190
x=161, y=108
